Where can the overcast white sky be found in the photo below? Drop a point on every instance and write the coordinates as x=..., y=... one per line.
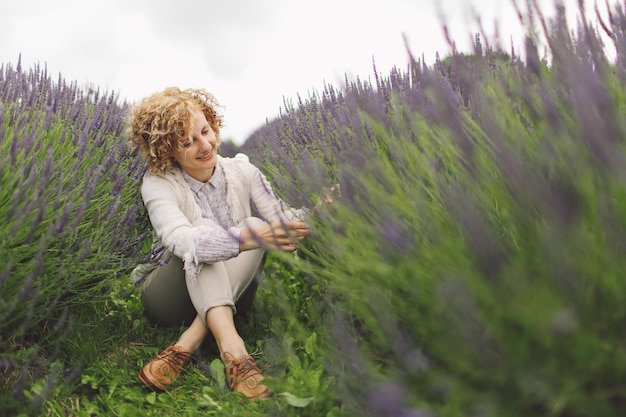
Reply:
x=251, y=54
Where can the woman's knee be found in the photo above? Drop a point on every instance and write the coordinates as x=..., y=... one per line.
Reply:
x=164, y=295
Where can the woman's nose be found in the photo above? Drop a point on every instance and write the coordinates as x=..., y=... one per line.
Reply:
x=205, y=143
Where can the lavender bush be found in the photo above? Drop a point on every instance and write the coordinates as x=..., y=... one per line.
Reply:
x=473, y=264
x=69, y=208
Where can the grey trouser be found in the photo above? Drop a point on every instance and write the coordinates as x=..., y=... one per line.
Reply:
x=169, y=298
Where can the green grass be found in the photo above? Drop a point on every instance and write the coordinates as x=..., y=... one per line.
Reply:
x=113, y=340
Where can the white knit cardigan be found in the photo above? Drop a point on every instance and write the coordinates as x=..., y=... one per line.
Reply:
x=172, y=209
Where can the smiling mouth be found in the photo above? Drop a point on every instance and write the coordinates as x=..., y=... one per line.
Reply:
x=205, y=157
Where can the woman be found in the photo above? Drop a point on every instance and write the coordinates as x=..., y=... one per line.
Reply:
x=200, y=206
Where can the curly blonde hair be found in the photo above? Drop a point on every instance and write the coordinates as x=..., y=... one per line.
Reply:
x=163, y=120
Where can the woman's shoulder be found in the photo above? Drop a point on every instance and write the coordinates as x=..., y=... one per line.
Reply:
x=149, y=178
x=154, y=182
x=240, y=160
x=237, y=159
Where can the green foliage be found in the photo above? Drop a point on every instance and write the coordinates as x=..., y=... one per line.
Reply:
x=114, y=350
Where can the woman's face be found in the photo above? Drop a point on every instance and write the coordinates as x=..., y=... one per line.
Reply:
x=198, y=157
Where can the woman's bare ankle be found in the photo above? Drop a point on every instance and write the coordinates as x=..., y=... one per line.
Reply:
x=234, y=350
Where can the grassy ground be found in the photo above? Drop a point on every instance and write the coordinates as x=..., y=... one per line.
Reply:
x=111, y=341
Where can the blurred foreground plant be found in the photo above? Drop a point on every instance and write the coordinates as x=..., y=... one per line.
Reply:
x=474, y=262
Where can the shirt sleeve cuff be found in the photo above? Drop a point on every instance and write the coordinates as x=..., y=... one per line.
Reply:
x=218, y=245
x=236, y=233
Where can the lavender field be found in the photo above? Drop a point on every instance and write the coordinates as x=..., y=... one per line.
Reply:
x=471, y=263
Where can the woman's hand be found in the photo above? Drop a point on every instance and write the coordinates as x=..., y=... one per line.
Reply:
x=285, y=236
